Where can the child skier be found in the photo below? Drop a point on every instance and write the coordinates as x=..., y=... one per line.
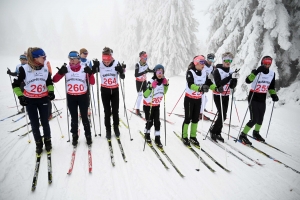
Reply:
x=141, y=69
x=156, y=89
x=38, y=90
x=224, y=78
x=197, y=85
x=262, y=80
x=78, y=77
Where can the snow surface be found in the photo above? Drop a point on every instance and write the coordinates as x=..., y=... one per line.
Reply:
x=143, y=176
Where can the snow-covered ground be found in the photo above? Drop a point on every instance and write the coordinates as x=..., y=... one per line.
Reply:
x=143, y=176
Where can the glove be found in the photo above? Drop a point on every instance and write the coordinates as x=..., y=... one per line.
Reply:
x=233, y=83
x=260, y=69
x=88, y=70
x=119, y=68
x=203, y=88
x=274, y=97
x=51, y=95
x=8, y=72
x=63, y=70
x=96, y=65
x=165, y=81
x=123, y=65
x=148, y=70
x=235, y=75
x=154, y=84
x=220, y=89
x=122, y=76
x=22, y=100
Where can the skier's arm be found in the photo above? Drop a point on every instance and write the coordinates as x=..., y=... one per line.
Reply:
x=221, y=82
x=251, y=77
x=49, y=83
x=190, y=82
x=148, y=91
x=136, y=72
x=17, y=82
x=91, y=78
x=271, y=88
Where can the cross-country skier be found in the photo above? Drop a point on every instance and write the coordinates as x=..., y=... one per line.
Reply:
x=110, y=70
x=197, y=84
x=141, y=69
x=78, y=77
x=38, y=90
x=156, y=89
x=224, y=78
x=262, y=81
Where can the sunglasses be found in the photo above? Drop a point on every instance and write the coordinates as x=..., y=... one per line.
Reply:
x=159, y=72
x=267, y=61
x=202, y=62
x=211, y=60
x=227, y=61
x=85, y=53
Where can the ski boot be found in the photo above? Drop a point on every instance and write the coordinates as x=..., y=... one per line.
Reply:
x=157, y=142
x=75, y=140
x=137, y=112
x=89, y=140
x=116, y=130
x=186, y=141
x=195, y=142
x=48, y=145
x=257, y=136
x=219, y=137
x=147, y=138
x=39, y=147
x=243, y=138
x=108, y=134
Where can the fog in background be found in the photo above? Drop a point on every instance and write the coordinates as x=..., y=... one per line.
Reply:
x=61, y=26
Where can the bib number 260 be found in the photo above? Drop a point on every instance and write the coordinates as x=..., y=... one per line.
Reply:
x=75, y=87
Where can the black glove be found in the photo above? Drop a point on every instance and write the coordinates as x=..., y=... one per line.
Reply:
x=148, y=70
x=274, y=97
x=88, y=70
x=8, y=72
x=123, y=65
x=261, y=68
x=96, y=66
x=22, y=100
x=233, y=83
x=122, y=76
x=203, y=88
x=220, y=89
x=119, y=68
x=51, y=95
x=63, y=70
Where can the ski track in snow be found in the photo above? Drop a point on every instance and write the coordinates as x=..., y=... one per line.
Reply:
x=144, y=176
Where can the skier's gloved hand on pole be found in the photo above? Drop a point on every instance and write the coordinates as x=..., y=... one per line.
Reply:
x=220, y=89
x=233, y=83
x=22, y=100
x=88, y=70
x=63, y=70
x=8, y=71
x=203, y=88
x=154, y=84
x=165, y=82
x=119, y=68
x=51, y=95
x=274, y=97
x=95, y=66
x=262, y=68
x=235, y=75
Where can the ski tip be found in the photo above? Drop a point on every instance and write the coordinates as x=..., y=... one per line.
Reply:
x=196, y=170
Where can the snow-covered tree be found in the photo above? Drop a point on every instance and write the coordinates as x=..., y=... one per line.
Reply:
x=165, y=30
x=252, y=29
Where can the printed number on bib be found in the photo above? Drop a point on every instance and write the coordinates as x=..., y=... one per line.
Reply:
x=75, y=87
x=196, y=93
x=110, y=81
x=157, y=100
x=261, y=88
x=37, y=88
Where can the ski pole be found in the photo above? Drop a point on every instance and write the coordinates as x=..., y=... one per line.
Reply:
x=202, y=99
x=248, y=107
x=98, y=98
x=237, y=113
x=165, y=119
x=230, y=112
x=147, y=124
x=62, y=136
x=91, y=102
x=176, y=103
x=26, y=113
x=137, y=98
x=270, y=118
x=56, y=90
x=67, y=105
x=14, y=94
x=122, y=91
x=94, y=100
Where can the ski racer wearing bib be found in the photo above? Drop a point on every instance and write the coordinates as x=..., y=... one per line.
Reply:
x=110, y=70
x=197, y=84
x=157, y=87
x=141, y=69
x=38, y=90
x=262, y=81
x=224, y=78
x=77, y=77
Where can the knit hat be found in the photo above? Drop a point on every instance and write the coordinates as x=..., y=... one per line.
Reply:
x=37, y=53
x=197, y=59
x=83, y=50
x=23, y=57
x=159, y=66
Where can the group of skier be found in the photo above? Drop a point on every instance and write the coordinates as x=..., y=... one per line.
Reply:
x=35, y=90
